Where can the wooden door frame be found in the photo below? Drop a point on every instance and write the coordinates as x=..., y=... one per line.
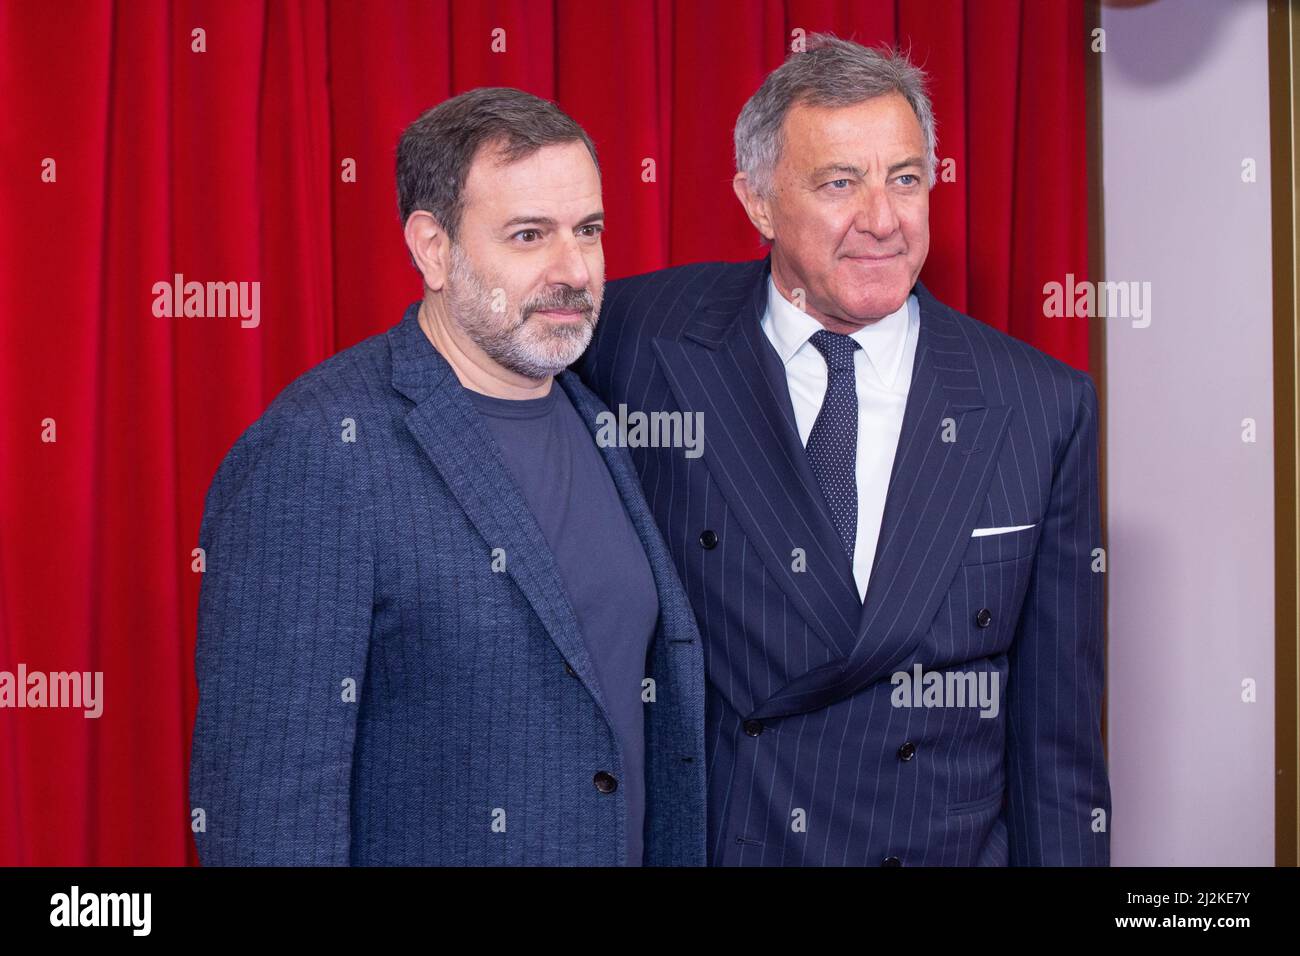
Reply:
x=1284, y=124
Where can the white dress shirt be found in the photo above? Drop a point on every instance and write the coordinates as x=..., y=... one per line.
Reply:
x=882, y=370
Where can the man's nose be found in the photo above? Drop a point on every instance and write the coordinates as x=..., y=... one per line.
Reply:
x=877, y=214
x=568, y=265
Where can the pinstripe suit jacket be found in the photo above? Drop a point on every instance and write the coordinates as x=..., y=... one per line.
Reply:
x=809, y=760
x=477, y=724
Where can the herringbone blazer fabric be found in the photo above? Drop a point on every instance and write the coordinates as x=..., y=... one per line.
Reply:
x=389, y=669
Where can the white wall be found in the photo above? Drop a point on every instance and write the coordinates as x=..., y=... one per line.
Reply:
x=1185, y=100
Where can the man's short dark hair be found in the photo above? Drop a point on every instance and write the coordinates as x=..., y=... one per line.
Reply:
x=435, y=152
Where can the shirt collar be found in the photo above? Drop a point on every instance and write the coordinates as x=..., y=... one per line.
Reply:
x=789, y=329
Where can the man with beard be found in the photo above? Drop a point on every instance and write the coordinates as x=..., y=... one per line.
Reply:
x=438, y=624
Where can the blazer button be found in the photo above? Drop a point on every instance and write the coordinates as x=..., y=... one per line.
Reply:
x=984, y=618
x=605, y=782
x=709, y=539
x=891, y=861
x=907, y=751
x=753, y=727
x=568, y=669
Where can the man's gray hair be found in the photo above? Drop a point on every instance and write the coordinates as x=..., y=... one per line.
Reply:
x=831, y=72
x=436, y=151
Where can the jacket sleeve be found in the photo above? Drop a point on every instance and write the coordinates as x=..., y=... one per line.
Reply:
x=1058, y=794
x=283, y=633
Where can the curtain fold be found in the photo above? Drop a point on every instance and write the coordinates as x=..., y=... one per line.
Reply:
x=252, y=141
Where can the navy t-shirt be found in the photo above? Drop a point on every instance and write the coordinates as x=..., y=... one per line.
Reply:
x=556, y=464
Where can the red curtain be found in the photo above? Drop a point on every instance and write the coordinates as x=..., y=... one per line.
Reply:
x=127, y=157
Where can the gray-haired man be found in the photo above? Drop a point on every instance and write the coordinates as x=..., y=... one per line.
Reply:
x=888, y=539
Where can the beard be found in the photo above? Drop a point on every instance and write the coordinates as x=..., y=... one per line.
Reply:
x=535, y=350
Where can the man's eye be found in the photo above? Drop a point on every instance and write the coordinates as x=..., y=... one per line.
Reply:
x=529, y=235
x=908, y=176
x=838, y=184
x=591, y=230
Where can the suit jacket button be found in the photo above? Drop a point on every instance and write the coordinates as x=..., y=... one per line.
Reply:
x=984, y=618
x=753, y=727
x=568, y=669
x=907, y=751
x=891, y=861
x=709, y=539
x=605, y=782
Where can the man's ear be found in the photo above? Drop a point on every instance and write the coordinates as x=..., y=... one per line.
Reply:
x=755, y=206
x=429, y=247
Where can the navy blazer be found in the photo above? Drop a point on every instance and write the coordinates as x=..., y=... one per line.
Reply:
x=389, y=669
x=811, y=757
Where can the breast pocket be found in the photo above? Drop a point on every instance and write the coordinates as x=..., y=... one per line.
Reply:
x=989, y=545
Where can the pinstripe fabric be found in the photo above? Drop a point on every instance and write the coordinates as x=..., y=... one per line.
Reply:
x=809, y=760
x=372, y=562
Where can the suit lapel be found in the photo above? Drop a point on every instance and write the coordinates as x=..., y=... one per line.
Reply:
x=450, y=431
x=752, y=450
x=935, y=491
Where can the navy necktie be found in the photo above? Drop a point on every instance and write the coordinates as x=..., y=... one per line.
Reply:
x=833, y=442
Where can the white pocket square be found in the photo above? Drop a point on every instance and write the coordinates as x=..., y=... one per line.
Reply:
x=984, y=532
